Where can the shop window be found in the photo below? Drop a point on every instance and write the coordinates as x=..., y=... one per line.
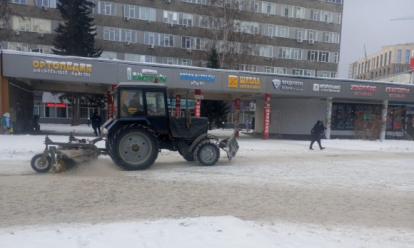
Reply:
x=344, y=114
x=395, y=118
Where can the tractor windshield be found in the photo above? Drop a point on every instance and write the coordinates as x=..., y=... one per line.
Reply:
x=131, y=103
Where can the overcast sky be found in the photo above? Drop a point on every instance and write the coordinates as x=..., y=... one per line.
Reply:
x=369, y=22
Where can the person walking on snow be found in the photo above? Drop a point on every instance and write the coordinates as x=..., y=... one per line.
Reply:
x=316, y=132
x=5, y=122
x=96, y=123
x=247, y=126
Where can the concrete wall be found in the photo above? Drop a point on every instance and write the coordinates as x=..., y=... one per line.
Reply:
x=405, y=78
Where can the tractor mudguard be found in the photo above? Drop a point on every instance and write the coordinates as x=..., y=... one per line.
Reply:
x=200, y=138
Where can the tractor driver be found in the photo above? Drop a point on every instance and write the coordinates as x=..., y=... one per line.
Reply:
x=135, y=106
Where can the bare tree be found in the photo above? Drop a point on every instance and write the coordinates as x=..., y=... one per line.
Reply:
x=230, y=32
x=6, y=14
x=76, y=99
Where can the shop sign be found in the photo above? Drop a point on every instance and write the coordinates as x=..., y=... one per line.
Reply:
x=146, y=75
x=197, y=79
x=330, y=88
x=395, y=92
x=266, y=122
x=287, y=85
x=183, y=103
x=58, y=105
x=364, y=90
x=62, y=68
x=245, y=82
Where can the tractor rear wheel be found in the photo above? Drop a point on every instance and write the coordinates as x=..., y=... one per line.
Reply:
x=207, y=153
x=134, y=148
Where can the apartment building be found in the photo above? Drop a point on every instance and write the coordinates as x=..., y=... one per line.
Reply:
x=300, y=37
x=390, y=60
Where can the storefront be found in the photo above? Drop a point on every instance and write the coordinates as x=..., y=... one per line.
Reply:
x=284, y=106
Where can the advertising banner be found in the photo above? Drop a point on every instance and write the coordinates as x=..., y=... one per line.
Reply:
x=266, y=122
x=178, y=105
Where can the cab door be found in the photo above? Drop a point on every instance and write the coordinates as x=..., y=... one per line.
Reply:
x=156, y=110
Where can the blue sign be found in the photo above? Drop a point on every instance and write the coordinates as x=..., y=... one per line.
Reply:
x=199, y=77
x=183, y=103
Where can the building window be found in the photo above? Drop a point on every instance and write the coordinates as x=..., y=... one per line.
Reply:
x=16, y=46
x=192, y=43
x=318, y=56
x=389, y=57
x=19, y=1
x=377, y=62
x=32, y=24
x=203, y=2
x=407, y=56
x=266, y=51
x=397, y=69
x=381, y=61
x=399, y=57
x=140, y=58
x=104, y=8
x=178, y=18
x=120, y=34
x=46, y=3
x=312, y=34
x=385, y=59
x=276, y=70
x=302, y=72
x=138, y=12
x=108, y=55
x=334, y=1
x=336, y=57
x=344, y=114
x=177, y=61
x=283, y=31
x=395, y=118
x=339, y=18
x=315, y=15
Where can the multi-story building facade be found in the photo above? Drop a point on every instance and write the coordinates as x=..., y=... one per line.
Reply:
x=290, y=37
x=390, y=60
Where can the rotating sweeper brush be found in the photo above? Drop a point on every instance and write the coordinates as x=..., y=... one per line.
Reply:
x=60, y=156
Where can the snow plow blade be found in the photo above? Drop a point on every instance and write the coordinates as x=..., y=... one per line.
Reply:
x=230, y=145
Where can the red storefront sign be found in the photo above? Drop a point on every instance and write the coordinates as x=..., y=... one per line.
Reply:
x=197, y=106
x=266, y=122
x=237, y=118
x=59, y=105
x=411, y=64
x=178, y=105
x=364, y=90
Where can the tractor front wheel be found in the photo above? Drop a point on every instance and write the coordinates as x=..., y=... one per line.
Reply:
x=207, y=153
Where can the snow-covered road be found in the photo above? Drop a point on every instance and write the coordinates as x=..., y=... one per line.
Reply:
x=353, y=194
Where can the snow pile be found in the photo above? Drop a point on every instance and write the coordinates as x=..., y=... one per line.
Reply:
x=203, y=232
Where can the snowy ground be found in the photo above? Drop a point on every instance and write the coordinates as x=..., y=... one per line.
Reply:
x=275, y=193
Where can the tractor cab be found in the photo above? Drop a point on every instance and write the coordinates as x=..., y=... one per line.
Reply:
x=145, y=102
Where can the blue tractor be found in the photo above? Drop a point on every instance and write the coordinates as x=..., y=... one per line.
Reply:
x=140, y=128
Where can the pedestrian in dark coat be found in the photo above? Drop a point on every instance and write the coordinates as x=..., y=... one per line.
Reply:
x=96, y=123
x=316, y=132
